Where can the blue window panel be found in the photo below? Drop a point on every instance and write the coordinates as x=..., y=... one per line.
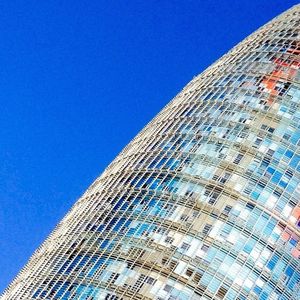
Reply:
x=271, y=264
x=152, y=202
x=175, y=293
x=105, y=275
x=94, y=269
x=155, y=184
x=110, y=245
x=135, y=201
x=269, y=228
x=275, y=236
x=112, y=222
x=295, y=161
x=131, y=232
x=289, y=153
x=83, y=261
x=173, y=164
x=280, y=150
x=60, y=289
x=119, y=224
x=283, y=184
x=118, y=204
x=141, y=181
x=292, y=186
x=276, y=177
x=252, y=167
x=36, y=294
x=172, y=182
x=277, y=155
x=283, y=108
x=257, y=290
x=261, y=223
x=278, y=269
x=142, y=228
x=249, y=246
x=255, y=195
x=73, y=264
x=239, y=245
x=80, y=288
x=263, y=296
x=124, y=206
x=289, y=271
x=104, y=244
x=183, y=296
x=252, y=220
x=231, y=294
x=295, y=137
x=214, y=285
x=63, y=267
x=270, y=170
x=206, y=278
x=162, y=161
x=144, y=180
x=211, y=254
x=40, y=296
x=295, y=280
x=281, y=203
x=101, y=228
x=127, y=223
x=91, y=291
x=158, y=211
x=294, y=182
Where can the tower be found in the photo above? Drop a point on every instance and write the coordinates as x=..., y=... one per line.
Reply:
x=204, y=202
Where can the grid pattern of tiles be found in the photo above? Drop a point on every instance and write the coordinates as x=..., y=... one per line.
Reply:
x=204, y=202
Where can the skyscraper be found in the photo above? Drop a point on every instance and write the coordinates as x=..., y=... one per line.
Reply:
x=204, y=202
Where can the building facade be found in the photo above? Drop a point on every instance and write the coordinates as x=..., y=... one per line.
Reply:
x=204, y=203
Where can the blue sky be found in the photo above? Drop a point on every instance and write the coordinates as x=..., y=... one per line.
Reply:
x=79, y=79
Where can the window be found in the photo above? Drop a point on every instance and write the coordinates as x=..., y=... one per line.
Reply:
x=222, y=292
x=197, y=277
x=238, y=159
x=206, y=229
x=227, y=209
x=189, y=272
x=169, y=240
x=168, y=288
x=173, y=264
x=150, y=280
x=184, y=217
x=185, y=246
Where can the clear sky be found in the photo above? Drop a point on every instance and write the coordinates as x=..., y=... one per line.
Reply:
x=79, y=79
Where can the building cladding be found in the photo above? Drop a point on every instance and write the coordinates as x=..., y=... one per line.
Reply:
x=204, y=202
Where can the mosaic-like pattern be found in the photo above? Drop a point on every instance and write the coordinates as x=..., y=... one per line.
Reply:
x=204, y=202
